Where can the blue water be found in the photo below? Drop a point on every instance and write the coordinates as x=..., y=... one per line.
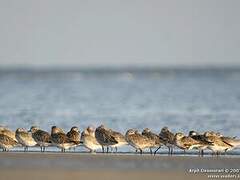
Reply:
x=182, y=99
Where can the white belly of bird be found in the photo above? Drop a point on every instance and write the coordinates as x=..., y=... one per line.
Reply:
x=45, y=144
x=66, y=145
x=137, y=146
x=119, y=144
x=179, y=144
x=216, y=148
x=236, y=144
x=28, y=143
x=92, y=146
x=195, y=146
x=3, y=146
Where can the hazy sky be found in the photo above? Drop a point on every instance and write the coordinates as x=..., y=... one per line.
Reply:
x=120, y=32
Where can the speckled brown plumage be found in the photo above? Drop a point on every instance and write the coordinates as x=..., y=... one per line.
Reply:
x=137, y=140
x=60, y=139
x=167, y=137
x=25, y=138
x=6, y=142
x=104, y=137
x=74, y=135
x=42, y=138
x=154, y=138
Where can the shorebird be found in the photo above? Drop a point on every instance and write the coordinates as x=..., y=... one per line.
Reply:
x=60, y=139
x=25, y=138
x=186, y=142
x=219, y=146
x=120, y=140
x=104, y=137
x=202, y=139
x=88, y=139
x=42, y=138
x=233, y=141
x=7, y=142
x=7, y=132
x=74, y=136
x=154, y=138
x=167, y=137
x=137, y=140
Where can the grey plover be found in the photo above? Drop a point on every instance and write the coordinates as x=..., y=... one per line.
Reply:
x=74, y=135
x=7, y=132
x=168, y=139
x=7, y=142
x=186, y=142
x=233, y=141
x=88, y=139
x=42, y=138
x=137, y=140
x=60, y=139
x=25, y=138
x=120, y=138
x=156, y=141
x=104, y=137
x=218, y=145
x=201, y=138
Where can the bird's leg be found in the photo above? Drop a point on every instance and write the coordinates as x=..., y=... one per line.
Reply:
x=156, y=150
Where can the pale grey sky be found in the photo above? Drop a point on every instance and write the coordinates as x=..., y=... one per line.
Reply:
x=120, y=32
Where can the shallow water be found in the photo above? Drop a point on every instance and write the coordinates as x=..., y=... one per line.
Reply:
x=132, y=98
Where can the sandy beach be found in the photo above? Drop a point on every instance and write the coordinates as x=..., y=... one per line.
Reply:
x=36, y=166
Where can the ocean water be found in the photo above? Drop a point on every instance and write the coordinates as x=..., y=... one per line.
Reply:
x=182, y=99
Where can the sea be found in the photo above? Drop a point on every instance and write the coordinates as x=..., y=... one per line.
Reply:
x=182, y=99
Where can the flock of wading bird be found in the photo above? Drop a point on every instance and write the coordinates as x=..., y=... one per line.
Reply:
x=109, y=140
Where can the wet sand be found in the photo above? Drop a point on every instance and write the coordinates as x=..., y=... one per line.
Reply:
x=36, y=166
